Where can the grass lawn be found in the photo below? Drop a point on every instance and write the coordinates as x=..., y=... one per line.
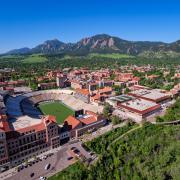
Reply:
x=112, y=56
x=57, y=109
x=34, y=59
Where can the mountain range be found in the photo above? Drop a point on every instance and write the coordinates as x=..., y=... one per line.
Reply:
x=101, y=43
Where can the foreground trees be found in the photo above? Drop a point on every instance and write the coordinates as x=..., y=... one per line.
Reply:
x=151, y=152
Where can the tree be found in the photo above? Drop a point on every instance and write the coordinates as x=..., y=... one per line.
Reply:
x=127, y=90
x=115, y=120
x=117, y=89
x=107, y=110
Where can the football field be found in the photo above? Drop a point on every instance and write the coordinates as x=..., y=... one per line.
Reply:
x=57, y=109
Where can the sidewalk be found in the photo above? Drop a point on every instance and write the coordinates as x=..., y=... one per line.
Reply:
x=102, y=131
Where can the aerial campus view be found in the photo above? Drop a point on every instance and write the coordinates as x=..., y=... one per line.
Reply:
x=90, y=90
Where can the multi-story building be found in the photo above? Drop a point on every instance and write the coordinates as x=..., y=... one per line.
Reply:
x=154, y=95
x=61, y=80
x=99, y=95
x=75, y=126
x=83, y=94
x=49, y=85
x=76, y=84
x=13, y=83
x=137, y=109
x=25, y=138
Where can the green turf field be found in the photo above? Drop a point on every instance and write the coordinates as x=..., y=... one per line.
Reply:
x=57, y=109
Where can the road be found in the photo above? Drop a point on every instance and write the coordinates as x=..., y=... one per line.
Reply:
x=58, y=162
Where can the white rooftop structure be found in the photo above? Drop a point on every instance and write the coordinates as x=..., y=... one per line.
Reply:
x=153, y=94
x=24, y=122
x=139, y=104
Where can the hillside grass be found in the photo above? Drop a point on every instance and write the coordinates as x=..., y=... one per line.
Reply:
x=10, y=56
x=35, y=58
x=111, y=56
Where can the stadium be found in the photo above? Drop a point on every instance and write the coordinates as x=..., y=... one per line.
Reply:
x=60, y=103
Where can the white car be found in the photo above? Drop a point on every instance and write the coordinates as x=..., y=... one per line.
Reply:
x=47, y=166
x=42, y=178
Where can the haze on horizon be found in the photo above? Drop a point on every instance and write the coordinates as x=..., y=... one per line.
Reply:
x=28, y=24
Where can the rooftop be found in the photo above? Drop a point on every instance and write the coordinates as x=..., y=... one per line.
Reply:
x=83, y=91
x=153, y=94
x=24, y=122
x=87, y=118
x=72, y=121
x=140, y=105
x=121, y=98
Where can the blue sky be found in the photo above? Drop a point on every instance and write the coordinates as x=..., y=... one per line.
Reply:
x=26, y=23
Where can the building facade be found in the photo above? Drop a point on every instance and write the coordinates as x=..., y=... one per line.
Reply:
x=17, y=146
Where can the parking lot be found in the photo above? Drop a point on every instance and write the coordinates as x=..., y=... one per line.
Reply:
x=48, y=166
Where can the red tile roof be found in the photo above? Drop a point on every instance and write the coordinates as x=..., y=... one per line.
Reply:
x=88, y=120
x=37, y=127
x=72, y=121
x=83, y=91
x=91, y=119
x=41, y=126
x=51, y=118
x=4, y=125
x=105, y=90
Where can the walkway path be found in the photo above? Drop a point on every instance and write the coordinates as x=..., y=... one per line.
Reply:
x=120, y=137
x=176, y=122
x=102, y=131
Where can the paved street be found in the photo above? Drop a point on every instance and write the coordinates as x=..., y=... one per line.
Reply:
x=58, y=162
x=39, y=168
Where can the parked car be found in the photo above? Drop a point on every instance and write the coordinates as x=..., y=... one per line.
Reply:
x=47, y=166
x=3, y=169
x=32, y=174
x=69, y=158
x=73, y=148
x=77, y=152
x=45, y=157
x=42, y=178
x=29, y=163
x=50, y=154
x=91, y=153
x=21, y=167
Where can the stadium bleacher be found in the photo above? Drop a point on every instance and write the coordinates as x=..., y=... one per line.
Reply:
x=26, y=104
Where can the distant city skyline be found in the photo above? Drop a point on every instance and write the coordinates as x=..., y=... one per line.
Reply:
x=29, y=24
